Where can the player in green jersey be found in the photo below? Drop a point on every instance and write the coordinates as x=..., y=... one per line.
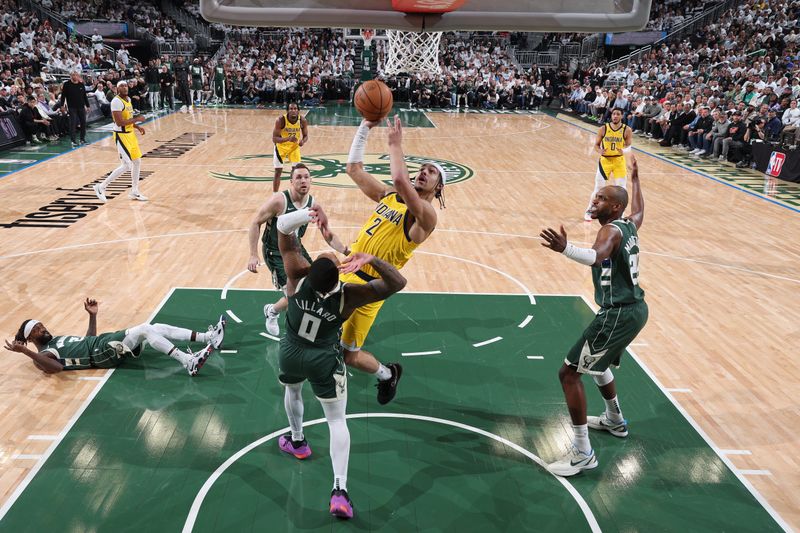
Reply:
x=108, y=350
x=614, y=259
x=318, y=306
x=295, y=197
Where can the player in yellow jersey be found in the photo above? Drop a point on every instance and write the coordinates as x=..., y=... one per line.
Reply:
x=127, y=145
x=290, y=133
x=612, y=143
x=403, y=219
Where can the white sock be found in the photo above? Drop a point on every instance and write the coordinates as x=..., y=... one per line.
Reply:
x=117, y=172
x=383, y=373
x=293, y=403
x=135, y=175
x=613, y=411
x=179, y=355
x=340, y=441
x=581, y=440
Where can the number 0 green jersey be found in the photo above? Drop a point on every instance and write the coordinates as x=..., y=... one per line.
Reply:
x=312, y=319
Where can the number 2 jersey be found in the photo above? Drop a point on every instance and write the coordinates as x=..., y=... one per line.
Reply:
x=385, y=234
x=616, y=280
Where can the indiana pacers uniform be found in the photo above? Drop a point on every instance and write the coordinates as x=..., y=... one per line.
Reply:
x=269, y=241
x=288, y=152
x=125, y=136
x=612, y=163
x=310, y=349
x=385, y=235
x=101, y=351
x=623, y=311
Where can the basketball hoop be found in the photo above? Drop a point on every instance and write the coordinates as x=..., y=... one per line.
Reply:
x=413, y=52
x=367, y=36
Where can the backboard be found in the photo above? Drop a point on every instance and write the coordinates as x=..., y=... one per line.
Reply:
x=491, y=15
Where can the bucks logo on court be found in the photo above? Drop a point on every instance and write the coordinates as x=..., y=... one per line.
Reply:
x=330, y=170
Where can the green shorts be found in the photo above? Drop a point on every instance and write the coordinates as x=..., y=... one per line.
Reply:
x=197, y=85
x=274, y=263
x=604, y=341
x=323, y=367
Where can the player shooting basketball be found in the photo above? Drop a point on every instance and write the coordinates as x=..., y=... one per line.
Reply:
x=403, y=219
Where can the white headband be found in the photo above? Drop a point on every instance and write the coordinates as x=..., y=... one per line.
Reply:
x=440, y=168
x=29, y=325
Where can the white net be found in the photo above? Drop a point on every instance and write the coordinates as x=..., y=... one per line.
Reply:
x=412, y=52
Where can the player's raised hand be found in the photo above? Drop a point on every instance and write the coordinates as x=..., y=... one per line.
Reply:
x=318, y=216
x=370, y=123
x=553, y=240
x=395, y=131
x=634, y=166
x=354, y=262
x=15, y=346
x=91, y=306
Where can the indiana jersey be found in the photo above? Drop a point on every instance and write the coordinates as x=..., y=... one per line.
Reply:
x=127, y=114
x=312, y=318
x=385, y=234
x=613, y=140
x=616, y=280
x=290, y=128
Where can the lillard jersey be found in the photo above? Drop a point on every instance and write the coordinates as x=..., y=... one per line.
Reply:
x=290, y=128
x=315, y=319
x=101, y=351
x=613, y=140
x=120, y=104
x=616, y=280
x=270, y=237
x=385, y=235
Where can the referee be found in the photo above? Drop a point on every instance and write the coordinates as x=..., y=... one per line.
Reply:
x=74, y=92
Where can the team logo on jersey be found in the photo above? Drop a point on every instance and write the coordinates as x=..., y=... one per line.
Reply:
x=330, y=170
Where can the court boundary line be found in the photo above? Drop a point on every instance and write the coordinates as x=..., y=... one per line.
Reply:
x=710, y=443
x=698, y=172
x=19, y=489
x=59, y=154
x=197, y=503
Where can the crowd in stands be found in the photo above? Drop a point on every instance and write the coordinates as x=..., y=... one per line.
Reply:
x=730, y=84
x=710, y=94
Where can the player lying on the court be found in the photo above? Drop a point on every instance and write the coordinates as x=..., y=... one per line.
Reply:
x=614, y=259
x=403, y=219
x=318, y=305
x=108, y=350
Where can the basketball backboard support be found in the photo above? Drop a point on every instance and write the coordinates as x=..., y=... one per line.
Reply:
x=492, y=15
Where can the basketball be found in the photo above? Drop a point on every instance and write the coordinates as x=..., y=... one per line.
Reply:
x=373, y=100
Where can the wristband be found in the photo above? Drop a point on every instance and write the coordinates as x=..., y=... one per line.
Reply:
x=289, y=222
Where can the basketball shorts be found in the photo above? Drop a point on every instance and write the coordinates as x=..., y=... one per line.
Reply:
x=274, y=263
x=322, y=366
x=356, y=328
x=197, y=85
x=285, y=153
x=612, y=166
x=127, y=146
x=604, y=341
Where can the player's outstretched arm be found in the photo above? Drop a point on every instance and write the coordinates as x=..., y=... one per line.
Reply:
x=294, y=263
x=424, y=213
x=637, y=200
x=41, y=360
x=390, y=282
x=370, y=186
x=91, y=307
x=268, y=210
x=319, y=216
x=608, y=238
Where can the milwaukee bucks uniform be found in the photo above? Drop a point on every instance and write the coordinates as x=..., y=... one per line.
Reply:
x=269, y=241
x=102, y=351
x=623, y=311
x=197, y=77
x=384, y=235
x=310, y=349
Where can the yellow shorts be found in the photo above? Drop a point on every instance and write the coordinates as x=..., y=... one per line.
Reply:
x=615, y=166
x=285, y=153
x=127, y=146
x=356, y=328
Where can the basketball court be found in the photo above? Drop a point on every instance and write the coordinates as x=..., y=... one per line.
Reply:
x=481, y=329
